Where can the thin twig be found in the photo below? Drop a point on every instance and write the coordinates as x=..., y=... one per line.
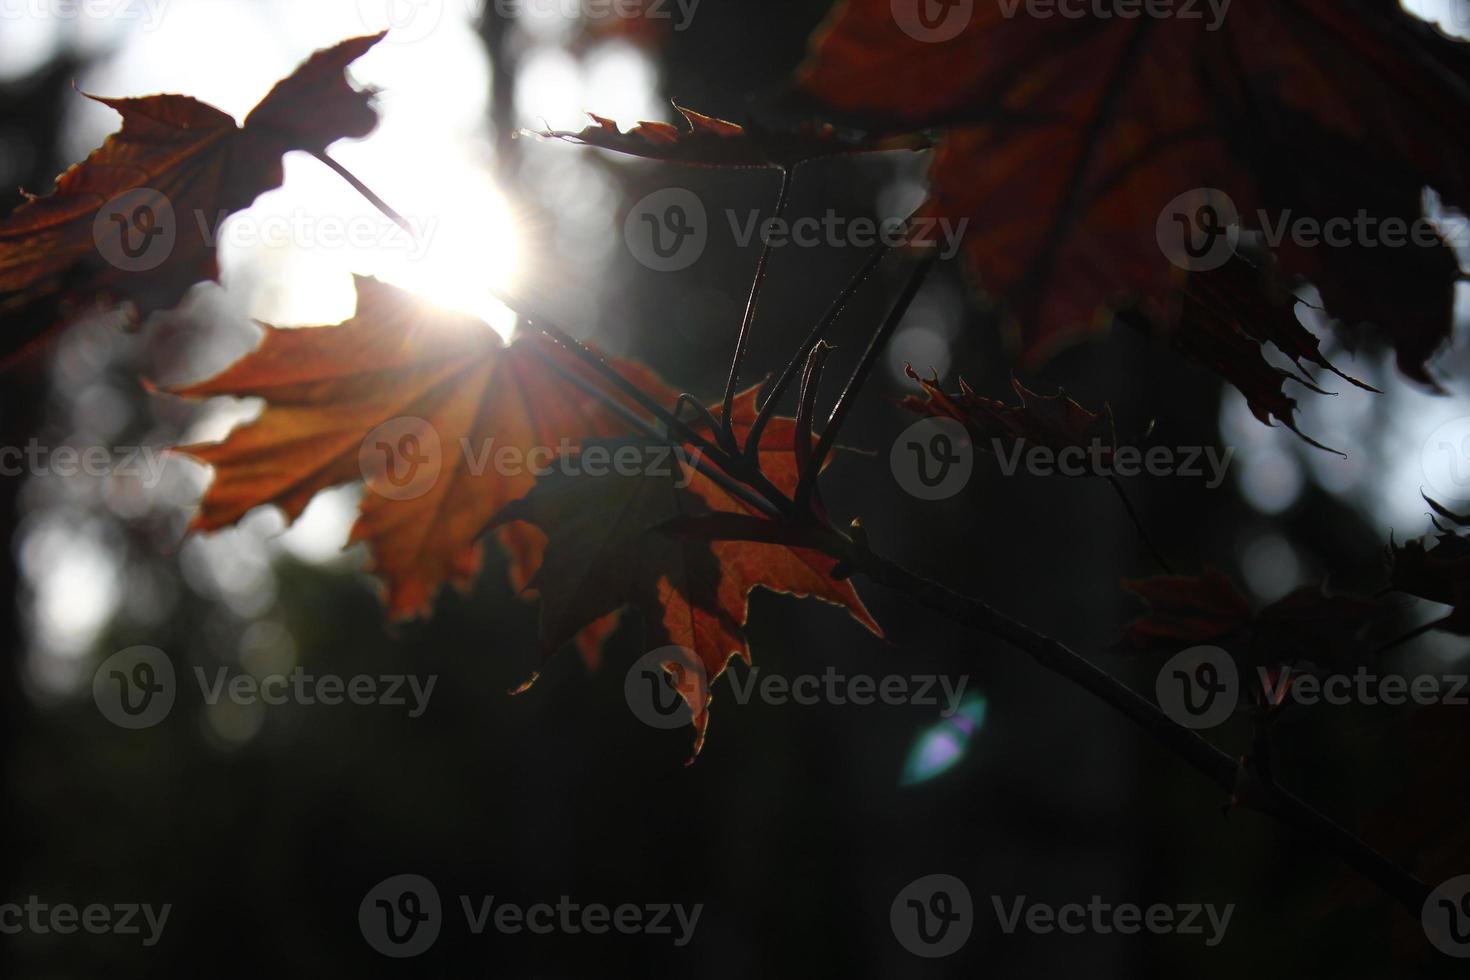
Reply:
x=738, y=467
x=742, y=340
x=367, y=192
x=725, y=482
x=579, y=350
x=798, y=361
x=1138, y=525
x=859, y=378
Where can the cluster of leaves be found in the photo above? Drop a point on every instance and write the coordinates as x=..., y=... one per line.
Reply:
x=1058, y=140
x=1308, y=629
x=1064, y=138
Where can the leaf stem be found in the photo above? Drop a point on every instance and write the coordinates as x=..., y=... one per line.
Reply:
x=742, y=341
x=367, y=192
x=859, y=378
x=606, y=370
x=717, y=474
x=1138, y=524
x=798, y=362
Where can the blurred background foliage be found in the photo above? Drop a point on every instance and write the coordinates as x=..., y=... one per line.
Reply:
x=264, y=826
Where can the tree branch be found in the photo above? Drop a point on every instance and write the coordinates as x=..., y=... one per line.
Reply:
x=1236, y=777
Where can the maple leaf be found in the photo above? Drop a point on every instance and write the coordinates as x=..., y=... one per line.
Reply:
x=445, y=397
x=1067, y=137
x=1305, y=626
x=1053, y=421
x=1187, y=610
x=1226, y=317
x=137, y=220
x=609, y=547
x=709, y=142
x=1437, y=568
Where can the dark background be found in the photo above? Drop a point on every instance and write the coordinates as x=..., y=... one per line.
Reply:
x=792, y=828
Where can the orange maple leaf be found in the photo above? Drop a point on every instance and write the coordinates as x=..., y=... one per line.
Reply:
x=137, y=220
x=608, y=548
x=444, y=421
